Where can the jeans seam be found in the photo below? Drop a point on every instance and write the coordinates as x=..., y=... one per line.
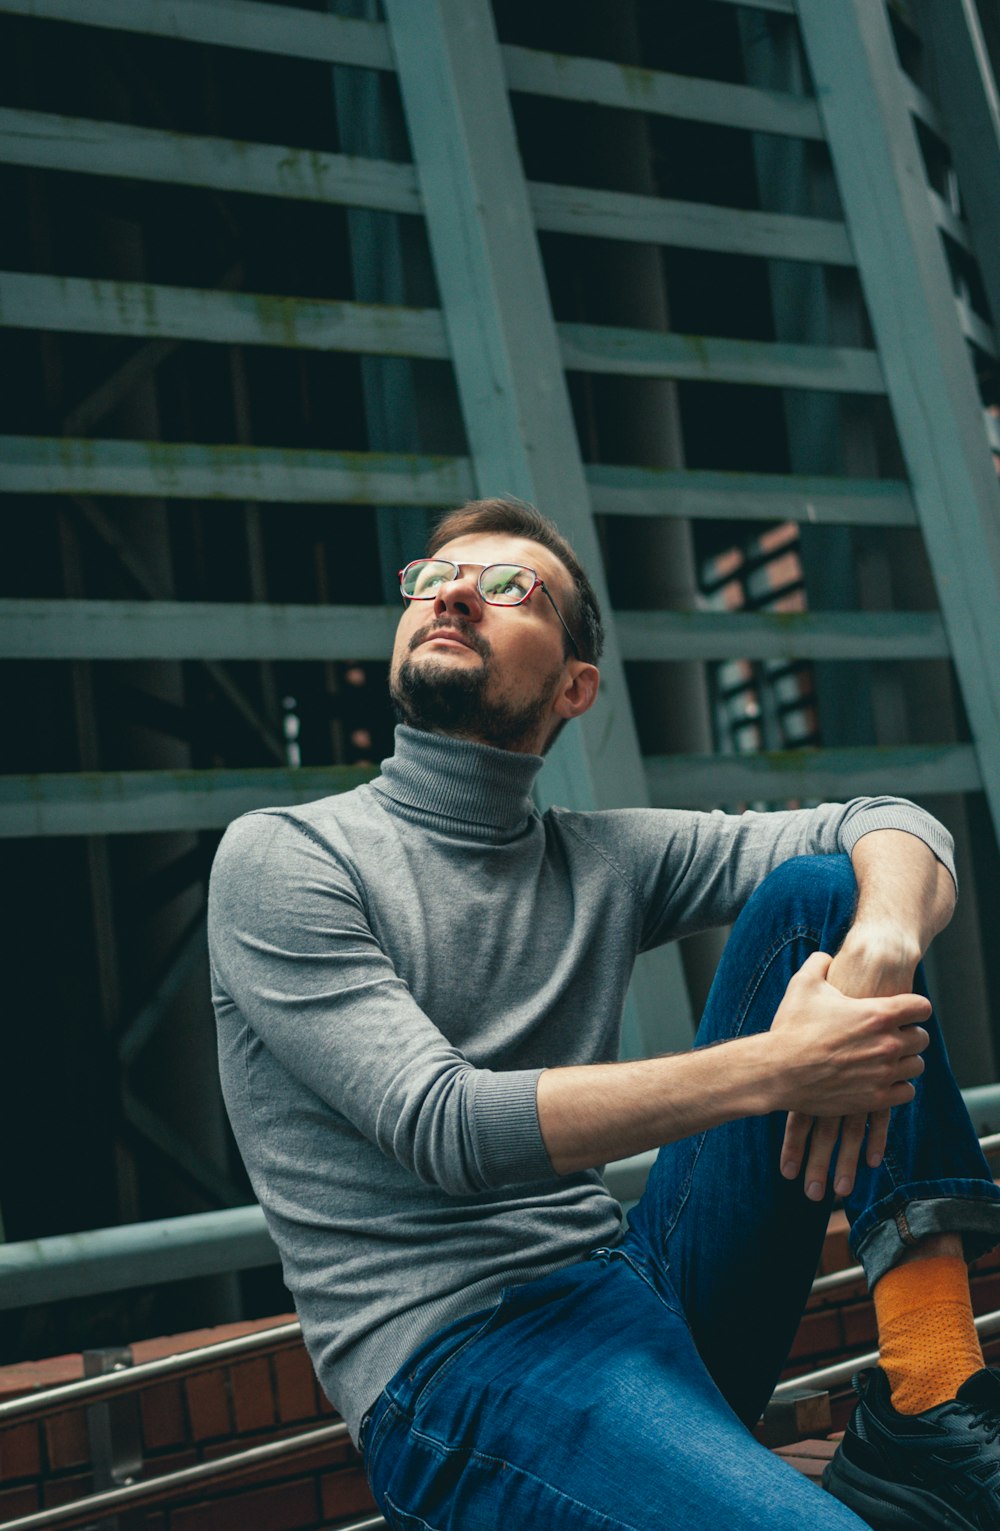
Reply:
x=471, y=1454
x=794, y=933
x=439, y=1371
x=643, y=1276
x=390, y=1414
x=406, y=1516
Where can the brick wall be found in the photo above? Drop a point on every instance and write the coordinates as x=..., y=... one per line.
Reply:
x=184, y=1421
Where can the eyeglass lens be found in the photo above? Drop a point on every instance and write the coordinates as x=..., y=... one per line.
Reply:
x=501, y=584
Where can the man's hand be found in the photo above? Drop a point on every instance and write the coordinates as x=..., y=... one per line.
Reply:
x=906, y=897
x=841, y=1055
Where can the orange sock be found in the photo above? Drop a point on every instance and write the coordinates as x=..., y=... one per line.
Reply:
x=927, y=1337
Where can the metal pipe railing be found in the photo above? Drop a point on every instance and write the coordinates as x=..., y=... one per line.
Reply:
x=177, y=1484
x=95, y=1389
x=212, y=1243
x=183, y=1363
x=842, y=1371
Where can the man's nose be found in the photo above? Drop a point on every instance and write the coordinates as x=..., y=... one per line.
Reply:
x=461, y=596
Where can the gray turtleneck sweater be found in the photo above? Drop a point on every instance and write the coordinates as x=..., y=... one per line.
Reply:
x=392, y=969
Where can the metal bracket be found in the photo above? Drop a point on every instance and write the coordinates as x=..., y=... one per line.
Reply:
x=796, y=1415
x=113, y=1429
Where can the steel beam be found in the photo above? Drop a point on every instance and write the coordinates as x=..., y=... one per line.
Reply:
x=706, y=495
x=154, y=802
x=600, y=82
x=75, y=305
x=703, y=358
x=164, y=630
x=251, y=25
x=925, y=359
x=80, y=306
x=512, y=388
x=193, y=630
x=60, y=465
x=57, y=465
x=864, y=636
x=833, y=775
x=44, y=141
x=687, y=225
x=956, y=54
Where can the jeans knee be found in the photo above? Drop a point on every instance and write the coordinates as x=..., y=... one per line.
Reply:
x=819, y=891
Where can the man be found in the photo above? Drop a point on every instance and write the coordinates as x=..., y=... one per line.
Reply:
x=419, y=988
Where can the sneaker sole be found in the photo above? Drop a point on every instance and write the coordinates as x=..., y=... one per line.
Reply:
x=907, y=1510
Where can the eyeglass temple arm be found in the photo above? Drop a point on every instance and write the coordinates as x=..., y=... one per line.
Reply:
x=544, y=587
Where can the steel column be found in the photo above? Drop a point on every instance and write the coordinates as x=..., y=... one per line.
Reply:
x=924, y=357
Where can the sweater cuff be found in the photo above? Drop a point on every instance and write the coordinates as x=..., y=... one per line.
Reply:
x=509, y=1146
x=904, y=816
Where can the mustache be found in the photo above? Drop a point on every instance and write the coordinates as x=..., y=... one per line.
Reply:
x=465, y=630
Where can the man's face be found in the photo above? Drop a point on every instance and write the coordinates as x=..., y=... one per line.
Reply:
x=491, y=673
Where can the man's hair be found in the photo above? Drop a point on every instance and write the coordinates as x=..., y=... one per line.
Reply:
x=520, y=519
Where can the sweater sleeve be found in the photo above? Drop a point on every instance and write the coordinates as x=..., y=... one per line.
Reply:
x=695, y=871
x=294, y=958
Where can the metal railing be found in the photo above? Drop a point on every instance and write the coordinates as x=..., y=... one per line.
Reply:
x=840, y=1372
x=91, y=1390
x=217, y=1243
x=177, y=1484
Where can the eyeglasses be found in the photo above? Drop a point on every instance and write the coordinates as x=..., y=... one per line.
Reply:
x=499, y=584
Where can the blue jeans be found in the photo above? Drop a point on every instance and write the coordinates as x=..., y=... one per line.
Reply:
x=617, y=1392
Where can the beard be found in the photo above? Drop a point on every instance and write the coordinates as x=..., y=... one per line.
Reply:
x=441, y=699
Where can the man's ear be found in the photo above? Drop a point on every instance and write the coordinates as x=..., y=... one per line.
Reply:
x=579, y=691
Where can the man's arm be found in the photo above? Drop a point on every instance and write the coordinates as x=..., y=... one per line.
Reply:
x=845, y=1032
x=825, y=1055
x=905, y=897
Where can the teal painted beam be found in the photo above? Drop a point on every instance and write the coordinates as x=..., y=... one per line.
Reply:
x=925, y=359
x=480, y=221
x=155, y=802
x=250, y=25
x=159, y=802
x=600, y=82
x=194, y=630
x=977, y=330
x=783, y=7
x=59, y=465
x=47, y=142
x=162, y=630
x=623, y=490
x=709, y=635
x=957, y=55
x=687, y=225
x=833, y=775
x=80, y=305
x=86, y=306
x=292, y=32
x=762, y=364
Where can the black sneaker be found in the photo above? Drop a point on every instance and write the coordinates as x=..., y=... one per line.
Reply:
x=938, y=1469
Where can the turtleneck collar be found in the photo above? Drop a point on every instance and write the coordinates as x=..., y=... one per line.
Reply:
x=433, y=777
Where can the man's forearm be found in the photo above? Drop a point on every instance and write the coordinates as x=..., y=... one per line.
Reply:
x=599, y=1112
x=905, y=897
